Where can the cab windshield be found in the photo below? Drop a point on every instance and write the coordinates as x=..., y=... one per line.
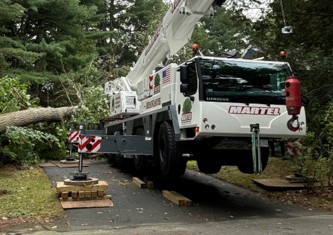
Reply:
x=243, y=81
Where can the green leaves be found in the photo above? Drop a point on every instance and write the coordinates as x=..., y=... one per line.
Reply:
x=26, y=146
x=94, y=107
x=222, y=32
x=317, y=159
x=13, y=95
x=9, y=11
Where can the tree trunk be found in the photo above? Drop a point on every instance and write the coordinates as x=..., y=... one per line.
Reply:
x=34, y=115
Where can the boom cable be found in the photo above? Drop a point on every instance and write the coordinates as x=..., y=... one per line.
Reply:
x=283, y=14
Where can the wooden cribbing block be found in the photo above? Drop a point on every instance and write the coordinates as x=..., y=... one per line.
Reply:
x=74, y=195
x=100, y=193
x=94, y=194
x=138, y=182
x=107, y=197
x=64, y=195
x=81, y=194
x=87, y=194
x=100, y=186
x=177, y=198
x=149, y=183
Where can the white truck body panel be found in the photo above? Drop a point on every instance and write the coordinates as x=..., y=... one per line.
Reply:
x=124, y=103
x=216, y=118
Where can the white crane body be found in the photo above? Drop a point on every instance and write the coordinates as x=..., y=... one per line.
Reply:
x=217, y=111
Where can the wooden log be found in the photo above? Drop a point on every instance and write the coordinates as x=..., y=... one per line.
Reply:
x=34, y=115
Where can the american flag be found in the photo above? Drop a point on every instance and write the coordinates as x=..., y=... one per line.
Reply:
x=166, y=78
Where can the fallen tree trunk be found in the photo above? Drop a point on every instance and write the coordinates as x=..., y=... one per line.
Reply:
x=34, y=115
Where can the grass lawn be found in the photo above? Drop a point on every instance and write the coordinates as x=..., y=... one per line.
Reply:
x=276, y=168
x=27, y=193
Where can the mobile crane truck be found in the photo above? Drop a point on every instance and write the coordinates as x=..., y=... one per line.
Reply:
x=217, y=111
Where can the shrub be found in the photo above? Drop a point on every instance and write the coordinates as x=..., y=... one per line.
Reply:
x=316, y=162
x=27, y=146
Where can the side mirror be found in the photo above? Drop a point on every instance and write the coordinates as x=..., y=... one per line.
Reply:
x=183, y=88
x=183, y=74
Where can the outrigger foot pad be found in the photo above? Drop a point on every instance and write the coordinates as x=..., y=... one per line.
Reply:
x=86, y=181
x=69, y=161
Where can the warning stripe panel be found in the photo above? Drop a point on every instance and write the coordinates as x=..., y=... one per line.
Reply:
x=73, y=136
x=91, y=144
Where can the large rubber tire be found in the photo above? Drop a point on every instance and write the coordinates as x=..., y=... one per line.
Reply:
x=110, y=158
x=141, y=164
x=208, y=163
x=170, y=160
x=245, y=164
x=119, y=160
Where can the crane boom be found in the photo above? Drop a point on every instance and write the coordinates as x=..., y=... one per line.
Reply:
x=172, y=34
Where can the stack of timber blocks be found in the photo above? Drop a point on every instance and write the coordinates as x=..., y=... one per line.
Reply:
x=82, y=192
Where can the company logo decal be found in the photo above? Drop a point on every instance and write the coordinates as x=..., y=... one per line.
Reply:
x=153, y=103
x=254, y=110
x=157, y=82
x=187, y=114
x=186, y=117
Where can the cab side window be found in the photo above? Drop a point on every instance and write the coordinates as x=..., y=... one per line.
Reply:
x=192, y=79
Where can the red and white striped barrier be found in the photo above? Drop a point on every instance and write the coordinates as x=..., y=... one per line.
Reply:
x=73, y=137
x=89, y=144
x=294, y=149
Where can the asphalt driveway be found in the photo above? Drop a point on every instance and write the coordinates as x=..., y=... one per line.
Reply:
x=218, y=208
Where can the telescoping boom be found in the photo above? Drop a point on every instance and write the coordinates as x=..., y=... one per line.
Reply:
x=172, y=35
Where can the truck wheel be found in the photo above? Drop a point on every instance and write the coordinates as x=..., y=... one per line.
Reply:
x=245, y=164
x=140, y=161
x=170, y=160
x=119, y=160
x=110, y=158
x=208, y=165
